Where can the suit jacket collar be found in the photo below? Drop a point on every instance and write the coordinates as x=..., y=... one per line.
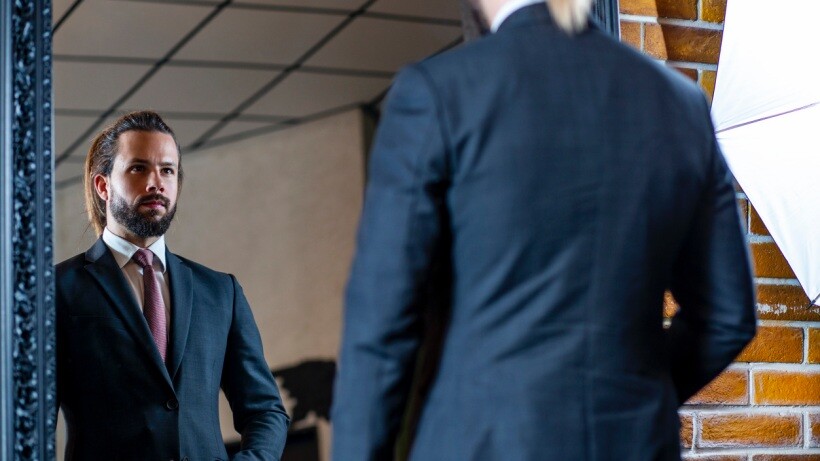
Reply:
x=508, y=9
x=535, y=14
x=104, y=268
x=123, y=250
x=97, y=251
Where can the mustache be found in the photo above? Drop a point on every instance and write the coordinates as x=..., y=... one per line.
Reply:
x=166, y=202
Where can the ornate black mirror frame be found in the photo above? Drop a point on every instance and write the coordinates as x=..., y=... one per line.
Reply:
x=606, y=12
x=27, y=336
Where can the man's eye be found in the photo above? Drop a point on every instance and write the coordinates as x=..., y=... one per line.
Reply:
x=136, y=168
x=168, y=170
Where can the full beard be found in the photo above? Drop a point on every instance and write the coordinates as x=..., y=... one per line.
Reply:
x=142, y=225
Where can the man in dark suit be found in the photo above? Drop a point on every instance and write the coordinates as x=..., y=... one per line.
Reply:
x=146, y=338
x=556, y=183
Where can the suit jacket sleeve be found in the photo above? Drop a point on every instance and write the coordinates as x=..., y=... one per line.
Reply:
x=400, y=232
x=258, y=413
x=712, y=284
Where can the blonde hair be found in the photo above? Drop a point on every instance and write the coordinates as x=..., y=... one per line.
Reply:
x=570, y=15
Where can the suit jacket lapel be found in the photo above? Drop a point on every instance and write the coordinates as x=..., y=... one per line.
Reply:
x=182, y=297
x=104, y=269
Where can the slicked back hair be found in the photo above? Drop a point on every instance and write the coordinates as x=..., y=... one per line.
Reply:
x=103, y=151
x=570, y=15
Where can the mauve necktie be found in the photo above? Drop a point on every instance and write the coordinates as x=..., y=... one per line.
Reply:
x=154, y=307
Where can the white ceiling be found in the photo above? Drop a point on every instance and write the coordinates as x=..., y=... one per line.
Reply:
x=380, y=44
x=127, y=29
x=218, y=73
x=94, y=86
x=303, y=94
x=258, y=36
x=198, y=89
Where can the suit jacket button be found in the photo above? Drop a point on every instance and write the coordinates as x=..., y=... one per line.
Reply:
x=172, y=404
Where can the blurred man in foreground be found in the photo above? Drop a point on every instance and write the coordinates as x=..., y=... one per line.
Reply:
x=555, y=183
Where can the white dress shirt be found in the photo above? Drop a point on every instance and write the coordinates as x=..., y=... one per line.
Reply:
x=509, y=8
x=123, y=251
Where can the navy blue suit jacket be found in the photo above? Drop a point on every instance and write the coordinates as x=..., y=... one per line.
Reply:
x=564, y=184
x=121, y=402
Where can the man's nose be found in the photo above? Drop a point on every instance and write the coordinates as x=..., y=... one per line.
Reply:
x=155, y=183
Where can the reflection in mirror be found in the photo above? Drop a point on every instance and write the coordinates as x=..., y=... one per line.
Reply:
x=270, y=100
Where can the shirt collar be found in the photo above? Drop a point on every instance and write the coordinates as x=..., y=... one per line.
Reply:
x=124, y=250
x=509, y=8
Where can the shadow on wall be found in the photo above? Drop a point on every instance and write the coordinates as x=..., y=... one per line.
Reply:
x=310, y=385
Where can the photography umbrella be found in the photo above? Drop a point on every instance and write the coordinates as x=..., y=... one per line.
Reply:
x=766, y=111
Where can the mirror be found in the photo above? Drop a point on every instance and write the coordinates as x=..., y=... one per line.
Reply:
x=271, y=101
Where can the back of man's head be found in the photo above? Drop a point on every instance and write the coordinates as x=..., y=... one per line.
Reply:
x=570, y=15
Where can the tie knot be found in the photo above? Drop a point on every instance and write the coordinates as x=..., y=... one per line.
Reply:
x=143, y=257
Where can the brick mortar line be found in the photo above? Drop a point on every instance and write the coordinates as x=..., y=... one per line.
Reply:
x=789, y=323
x=751, y=410
x=806, y=430
x=643, y=38
x=637, y=18
x=739, y=445
x=696, y=24
x=738, y=366
x=699, y=24
x=752, y=392
x=774, y=309
x=691, y=416
x=787, y=367
x=702, y=66
x=768, y=281
x=740, y=451
x=685, y=64
x=758, y=238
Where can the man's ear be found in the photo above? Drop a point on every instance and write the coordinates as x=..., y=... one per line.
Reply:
x=101, y=186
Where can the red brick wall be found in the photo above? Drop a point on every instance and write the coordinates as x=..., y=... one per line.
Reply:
x=766, y=406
